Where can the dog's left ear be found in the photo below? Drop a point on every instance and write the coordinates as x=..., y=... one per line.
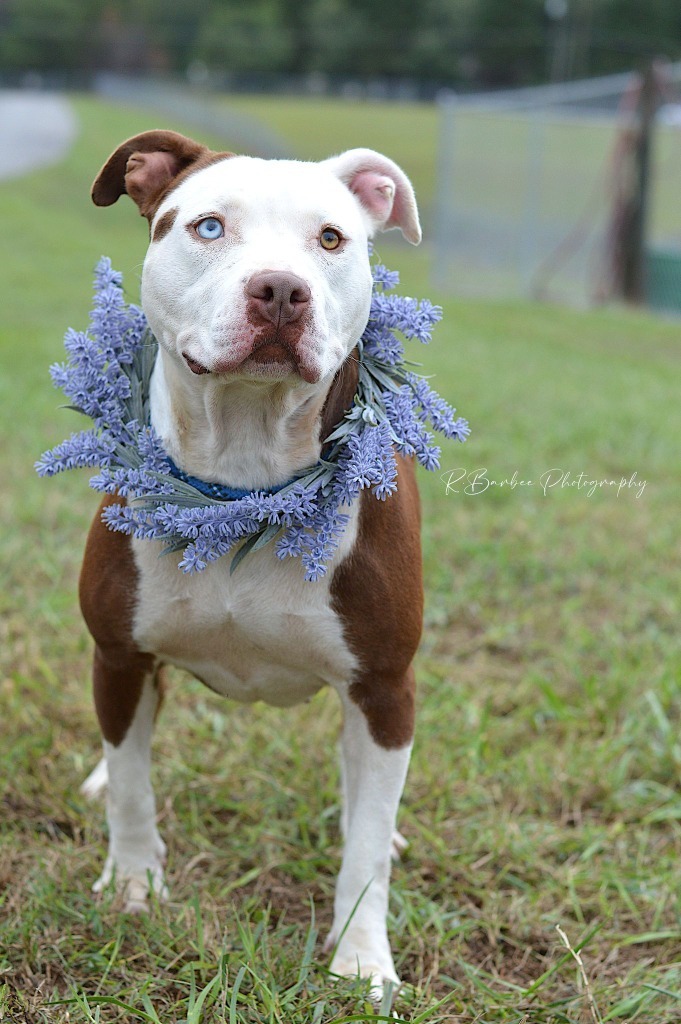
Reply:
x=144, y=166
x=382, y=188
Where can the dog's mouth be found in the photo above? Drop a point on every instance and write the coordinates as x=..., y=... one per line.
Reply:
x=273, y=354
x=270, y=357
x=194, y=365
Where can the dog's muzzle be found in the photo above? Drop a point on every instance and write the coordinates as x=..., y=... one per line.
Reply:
x=278, y=312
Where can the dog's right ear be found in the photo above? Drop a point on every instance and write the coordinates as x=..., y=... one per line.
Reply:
x=144, y=167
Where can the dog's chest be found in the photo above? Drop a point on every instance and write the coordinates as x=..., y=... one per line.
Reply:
x=262, y=633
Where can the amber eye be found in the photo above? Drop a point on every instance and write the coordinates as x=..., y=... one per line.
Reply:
x=330, y=238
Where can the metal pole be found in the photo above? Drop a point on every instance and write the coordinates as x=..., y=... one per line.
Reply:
x=530, y=242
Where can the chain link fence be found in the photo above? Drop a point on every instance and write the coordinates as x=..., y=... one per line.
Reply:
x=527, y=190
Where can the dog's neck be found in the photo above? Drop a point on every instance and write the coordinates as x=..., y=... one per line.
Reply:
x=249, y=434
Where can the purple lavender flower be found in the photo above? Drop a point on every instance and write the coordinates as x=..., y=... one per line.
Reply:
x=409, y=433
x=107, y=378
x=384, y=278
x=86, y=448
x=435, y=410
x=398, y=312
x=290, y=543
x=381, y=344
x=191, y=561
x=387, y=481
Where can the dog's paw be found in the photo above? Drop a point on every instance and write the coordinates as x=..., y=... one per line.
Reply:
x=364, y=952
x=96, y=782
x=133, y=888
x=398, y=844
x=383, y=981
x=135, y=878
x=136, y=892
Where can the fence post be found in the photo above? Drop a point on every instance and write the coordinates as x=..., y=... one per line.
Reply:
x=633, y=284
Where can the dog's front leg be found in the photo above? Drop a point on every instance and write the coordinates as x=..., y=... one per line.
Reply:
x=373, y=779
x=127, y=697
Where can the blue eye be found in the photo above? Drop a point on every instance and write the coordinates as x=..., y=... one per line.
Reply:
x=210, y=228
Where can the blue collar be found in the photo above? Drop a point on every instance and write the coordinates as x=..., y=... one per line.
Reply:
x=220, y=491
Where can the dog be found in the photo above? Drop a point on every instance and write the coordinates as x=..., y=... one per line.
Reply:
x=257, y=286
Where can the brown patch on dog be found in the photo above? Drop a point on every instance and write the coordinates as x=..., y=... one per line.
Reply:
x=164, y=224
x=148, y=166
x=378, y=593
x=170, y=151
x=108, y=593
x=340, y=395
x=206, y=159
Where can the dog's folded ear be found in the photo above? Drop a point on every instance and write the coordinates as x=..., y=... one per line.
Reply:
x=382, y=188
x=144, y=166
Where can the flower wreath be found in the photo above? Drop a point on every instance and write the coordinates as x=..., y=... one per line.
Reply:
x=107, y=378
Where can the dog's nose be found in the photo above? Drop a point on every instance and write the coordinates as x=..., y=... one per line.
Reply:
x=279, y=297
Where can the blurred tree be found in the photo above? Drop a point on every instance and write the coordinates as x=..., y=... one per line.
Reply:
x=510, y=41
x=335, y=33
x=121, y=35
x=43, y=35
x=238, y=37
x=631, y=32
x=387, y=29
x=452, y=42
x=442, y=47
x=148, y=35
x=296, y=15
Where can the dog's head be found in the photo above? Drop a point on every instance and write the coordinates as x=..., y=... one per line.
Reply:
x=257, y=267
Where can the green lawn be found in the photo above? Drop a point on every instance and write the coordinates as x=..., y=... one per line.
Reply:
x=544, y=788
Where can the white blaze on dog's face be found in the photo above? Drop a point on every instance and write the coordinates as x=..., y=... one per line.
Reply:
x=260, y=268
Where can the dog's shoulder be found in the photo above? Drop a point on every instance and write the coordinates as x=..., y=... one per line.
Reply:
x=108, y=581
x=377, y=589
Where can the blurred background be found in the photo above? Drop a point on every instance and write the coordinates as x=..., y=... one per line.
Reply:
x=511, y=98
x=386, y=47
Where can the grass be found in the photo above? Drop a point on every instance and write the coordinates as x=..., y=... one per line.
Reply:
x=544, y=788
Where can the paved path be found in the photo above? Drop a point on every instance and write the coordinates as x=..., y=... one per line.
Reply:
x=209, y=112
x=36, y=129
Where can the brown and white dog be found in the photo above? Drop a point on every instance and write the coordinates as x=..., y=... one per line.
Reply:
x=257, y=286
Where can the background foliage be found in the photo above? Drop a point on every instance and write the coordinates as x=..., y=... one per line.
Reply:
x=448, y=42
